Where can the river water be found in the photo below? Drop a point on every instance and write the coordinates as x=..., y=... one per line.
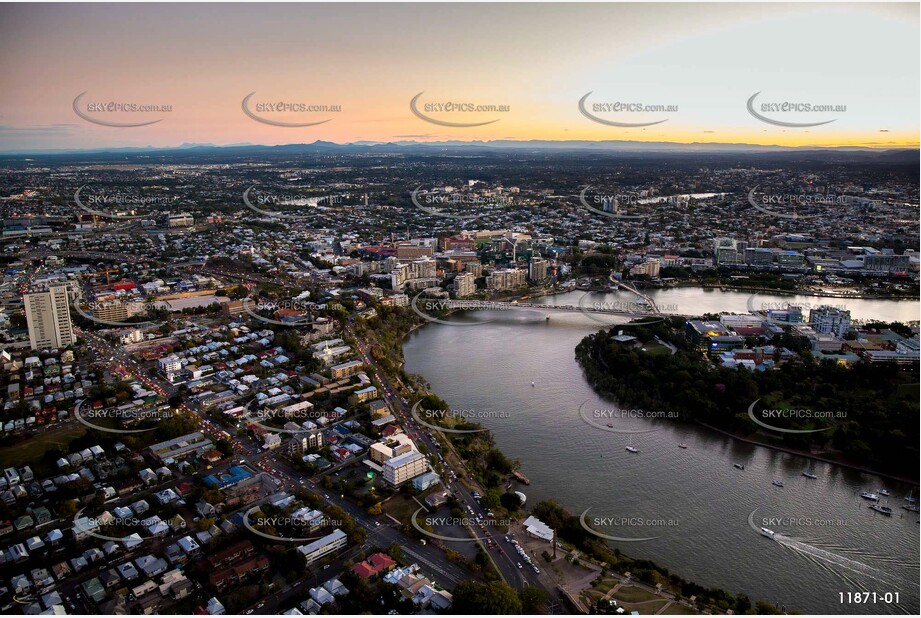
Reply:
x=701, y=515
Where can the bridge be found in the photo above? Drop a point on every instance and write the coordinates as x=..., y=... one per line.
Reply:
x=632, y=289
x=509, y=306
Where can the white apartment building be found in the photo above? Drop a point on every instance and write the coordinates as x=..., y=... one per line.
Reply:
x=404, y=467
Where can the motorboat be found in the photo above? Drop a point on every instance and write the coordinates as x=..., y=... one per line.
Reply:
x=631, y=449
x=885, y=510
x=768, y=533
x=810, y=475
x=776, y=483
x=738, y=466
x=869, y=495
x=682, y=446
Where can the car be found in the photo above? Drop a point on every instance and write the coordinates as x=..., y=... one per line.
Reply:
x=519, y=565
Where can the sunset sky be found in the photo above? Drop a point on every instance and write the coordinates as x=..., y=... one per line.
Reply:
x=539, y=60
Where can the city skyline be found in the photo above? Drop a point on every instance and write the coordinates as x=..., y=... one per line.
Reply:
x=534, y=64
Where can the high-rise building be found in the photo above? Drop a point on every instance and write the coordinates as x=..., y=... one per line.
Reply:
x=48, y=318
x=506, y=279
x=464, y=285
x=538, y=269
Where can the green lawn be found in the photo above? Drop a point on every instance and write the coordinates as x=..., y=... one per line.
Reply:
x=632, y=594
x=30, y=451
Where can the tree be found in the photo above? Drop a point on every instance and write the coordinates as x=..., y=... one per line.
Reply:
x=473, y=597
x=533, y=599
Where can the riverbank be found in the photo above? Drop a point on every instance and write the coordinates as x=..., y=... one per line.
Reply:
x=779, y=292
x=808, y=455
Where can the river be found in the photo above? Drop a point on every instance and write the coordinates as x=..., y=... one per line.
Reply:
x=701, y=514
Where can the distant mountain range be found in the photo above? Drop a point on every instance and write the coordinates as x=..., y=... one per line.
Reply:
x=607, y=146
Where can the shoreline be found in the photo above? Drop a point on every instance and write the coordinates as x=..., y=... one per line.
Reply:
x=807, y=455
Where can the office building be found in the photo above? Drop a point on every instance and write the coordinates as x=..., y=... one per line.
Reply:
x=827, y=319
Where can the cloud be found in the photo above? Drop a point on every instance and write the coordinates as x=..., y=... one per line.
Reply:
x=50, y=129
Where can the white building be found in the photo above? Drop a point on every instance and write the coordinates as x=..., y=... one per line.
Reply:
x=404, y=467
x=324, y=546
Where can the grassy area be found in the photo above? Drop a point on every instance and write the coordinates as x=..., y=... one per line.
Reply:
x=632, y=594
x=646, y=609
x=29, y=452
x=656, y=349
x=605, y=585
x=401, y=507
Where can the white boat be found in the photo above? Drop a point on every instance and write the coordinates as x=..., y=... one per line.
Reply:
x=869, y=495
x=768, y=533
x=884, y=492
x=810, y=475
x=631, y=449
x=885, y=510
x=682, y=446
x=738, y=466
x=532, y=383
x=909, y=499
x=777, y=483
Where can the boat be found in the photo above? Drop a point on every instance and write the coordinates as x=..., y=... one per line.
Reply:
x=911, y=508
x=777, y=483
x=611, y=425
x=631, y=449
x=682, y=445
x=768, y=533
x=532, y=383
x=884, y=492
x=885, y=510
x=738, y=466
x=909, y=499
x=869, y=495
x=810, y=475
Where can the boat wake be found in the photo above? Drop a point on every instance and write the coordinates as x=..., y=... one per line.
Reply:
x=833, y=562
x=829, y=558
